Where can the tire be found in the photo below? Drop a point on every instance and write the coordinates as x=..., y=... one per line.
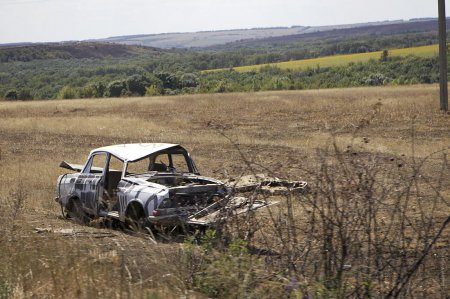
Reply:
x=75, y=211
x=135, y=218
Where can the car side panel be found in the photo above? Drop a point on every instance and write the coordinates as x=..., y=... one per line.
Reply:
x=65, y=189
x=144, y=195
x=89, y=187
x=85, y=187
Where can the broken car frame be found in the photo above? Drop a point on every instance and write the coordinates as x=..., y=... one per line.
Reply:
x=155, y=184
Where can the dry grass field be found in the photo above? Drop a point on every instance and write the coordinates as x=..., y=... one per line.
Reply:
x=290, y=134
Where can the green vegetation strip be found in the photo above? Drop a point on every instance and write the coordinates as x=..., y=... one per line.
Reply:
x=339, y=60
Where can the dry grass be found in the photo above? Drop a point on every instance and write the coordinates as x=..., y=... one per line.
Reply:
x=281, y=130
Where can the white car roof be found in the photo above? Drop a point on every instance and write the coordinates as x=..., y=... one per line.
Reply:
x=134, y=151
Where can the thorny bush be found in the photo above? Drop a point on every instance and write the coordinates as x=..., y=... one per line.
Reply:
x=370, y=226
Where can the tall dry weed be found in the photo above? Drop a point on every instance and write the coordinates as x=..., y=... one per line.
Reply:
x=372, y=225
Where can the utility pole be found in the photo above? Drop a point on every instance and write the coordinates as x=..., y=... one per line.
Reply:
x=443, y=55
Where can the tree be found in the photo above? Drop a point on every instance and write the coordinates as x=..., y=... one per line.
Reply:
x=67, y=92
x=116, y=88
x=87, y=92
x=25, y=94
x=221, y=87
x=384, y=56
x=375, y=79
x=11, y=95
x=189, y=80
x=168, y=80
x=136, y=84
x=99, y=89
x=94, y=90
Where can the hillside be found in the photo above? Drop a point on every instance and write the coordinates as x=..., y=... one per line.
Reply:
x=70, y=50
x=202, y=39
x=214, y=38
x=106, y=69
x=373, y=30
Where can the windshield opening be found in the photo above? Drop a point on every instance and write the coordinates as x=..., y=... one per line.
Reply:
x=167, y=161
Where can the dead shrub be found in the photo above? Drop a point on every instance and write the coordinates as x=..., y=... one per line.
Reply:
x=369, y=227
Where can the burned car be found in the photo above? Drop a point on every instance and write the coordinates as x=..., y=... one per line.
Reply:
x=147, y=184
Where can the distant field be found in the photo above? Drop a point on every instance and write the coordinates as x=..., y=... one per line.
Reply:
x=255, y=36
x=221, y=37
x=337, y=60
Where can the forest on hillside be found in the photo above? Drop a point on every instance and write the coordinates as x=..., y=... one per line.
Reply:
x=90, y=70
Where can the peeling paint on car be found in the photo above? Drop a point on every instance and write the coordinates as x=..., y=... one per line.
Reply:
x=158, y=193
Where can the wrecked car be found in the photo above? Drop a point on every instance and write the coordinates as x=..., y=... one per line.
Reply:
x=147, y=184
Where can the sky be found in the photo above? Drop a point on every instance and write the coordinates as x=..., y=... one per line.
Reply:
x=62, y=20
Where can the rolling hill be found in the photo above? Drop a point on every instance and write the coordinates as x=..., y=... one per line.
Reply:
x=46, y=70
x=70, y=50
x=213, y=38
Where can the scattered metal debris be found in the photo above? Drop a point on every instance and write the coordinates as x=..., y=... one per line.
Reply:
x=70, y=232
x=262, y=183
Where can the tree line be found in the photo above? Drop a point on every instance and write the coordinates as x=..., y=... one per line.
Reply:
x=80, y=70
x=385, y=71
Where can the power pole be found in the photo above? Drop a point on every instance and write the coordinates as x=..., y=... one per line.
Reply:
x=443, y=55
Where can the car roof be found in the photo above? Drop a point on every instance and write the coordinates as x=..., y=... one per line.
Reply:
x=134, y=151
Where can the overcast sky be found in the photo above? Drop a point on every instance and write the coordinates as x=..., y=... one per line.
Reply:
x=57, y=20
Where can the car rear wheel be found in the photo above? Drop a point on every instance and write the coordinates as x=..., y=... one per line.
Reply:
x=75, y=211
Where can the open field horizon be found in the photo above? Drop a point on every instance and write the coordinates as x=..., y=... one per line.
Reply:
x=284, y=131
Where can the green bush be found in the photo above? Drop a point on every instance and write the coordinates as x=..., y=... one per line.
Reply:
x=168, y=80
x=137, y=84
x=221, y=87
x=116, y=88
x=189, y=80
x=11, y=95
x=152, y=90
x=25, y=94
x=228, y=273
x=88, y=92
x=67, y=92
x=93, y=90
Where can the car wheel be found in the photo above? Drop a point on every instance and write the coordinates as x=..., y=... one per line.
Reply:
x=75, y=211
x=135, y=218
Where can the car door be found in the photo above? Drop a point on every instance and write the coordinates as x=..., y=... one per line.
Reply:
x=91, y=182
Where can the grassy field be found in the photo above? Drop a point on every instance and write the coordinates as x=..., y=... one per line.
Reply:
x=338, y=60
x=388, y=134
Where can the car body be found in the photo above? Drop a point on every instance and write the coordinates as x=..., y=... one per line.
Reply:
x=145, y=183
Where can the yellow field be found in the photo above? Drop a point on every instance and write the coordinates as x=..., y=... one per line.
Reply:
x=337, y=60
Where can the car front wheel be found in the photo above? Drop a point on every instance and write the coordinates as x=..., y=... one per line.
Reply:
x=135, y=218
